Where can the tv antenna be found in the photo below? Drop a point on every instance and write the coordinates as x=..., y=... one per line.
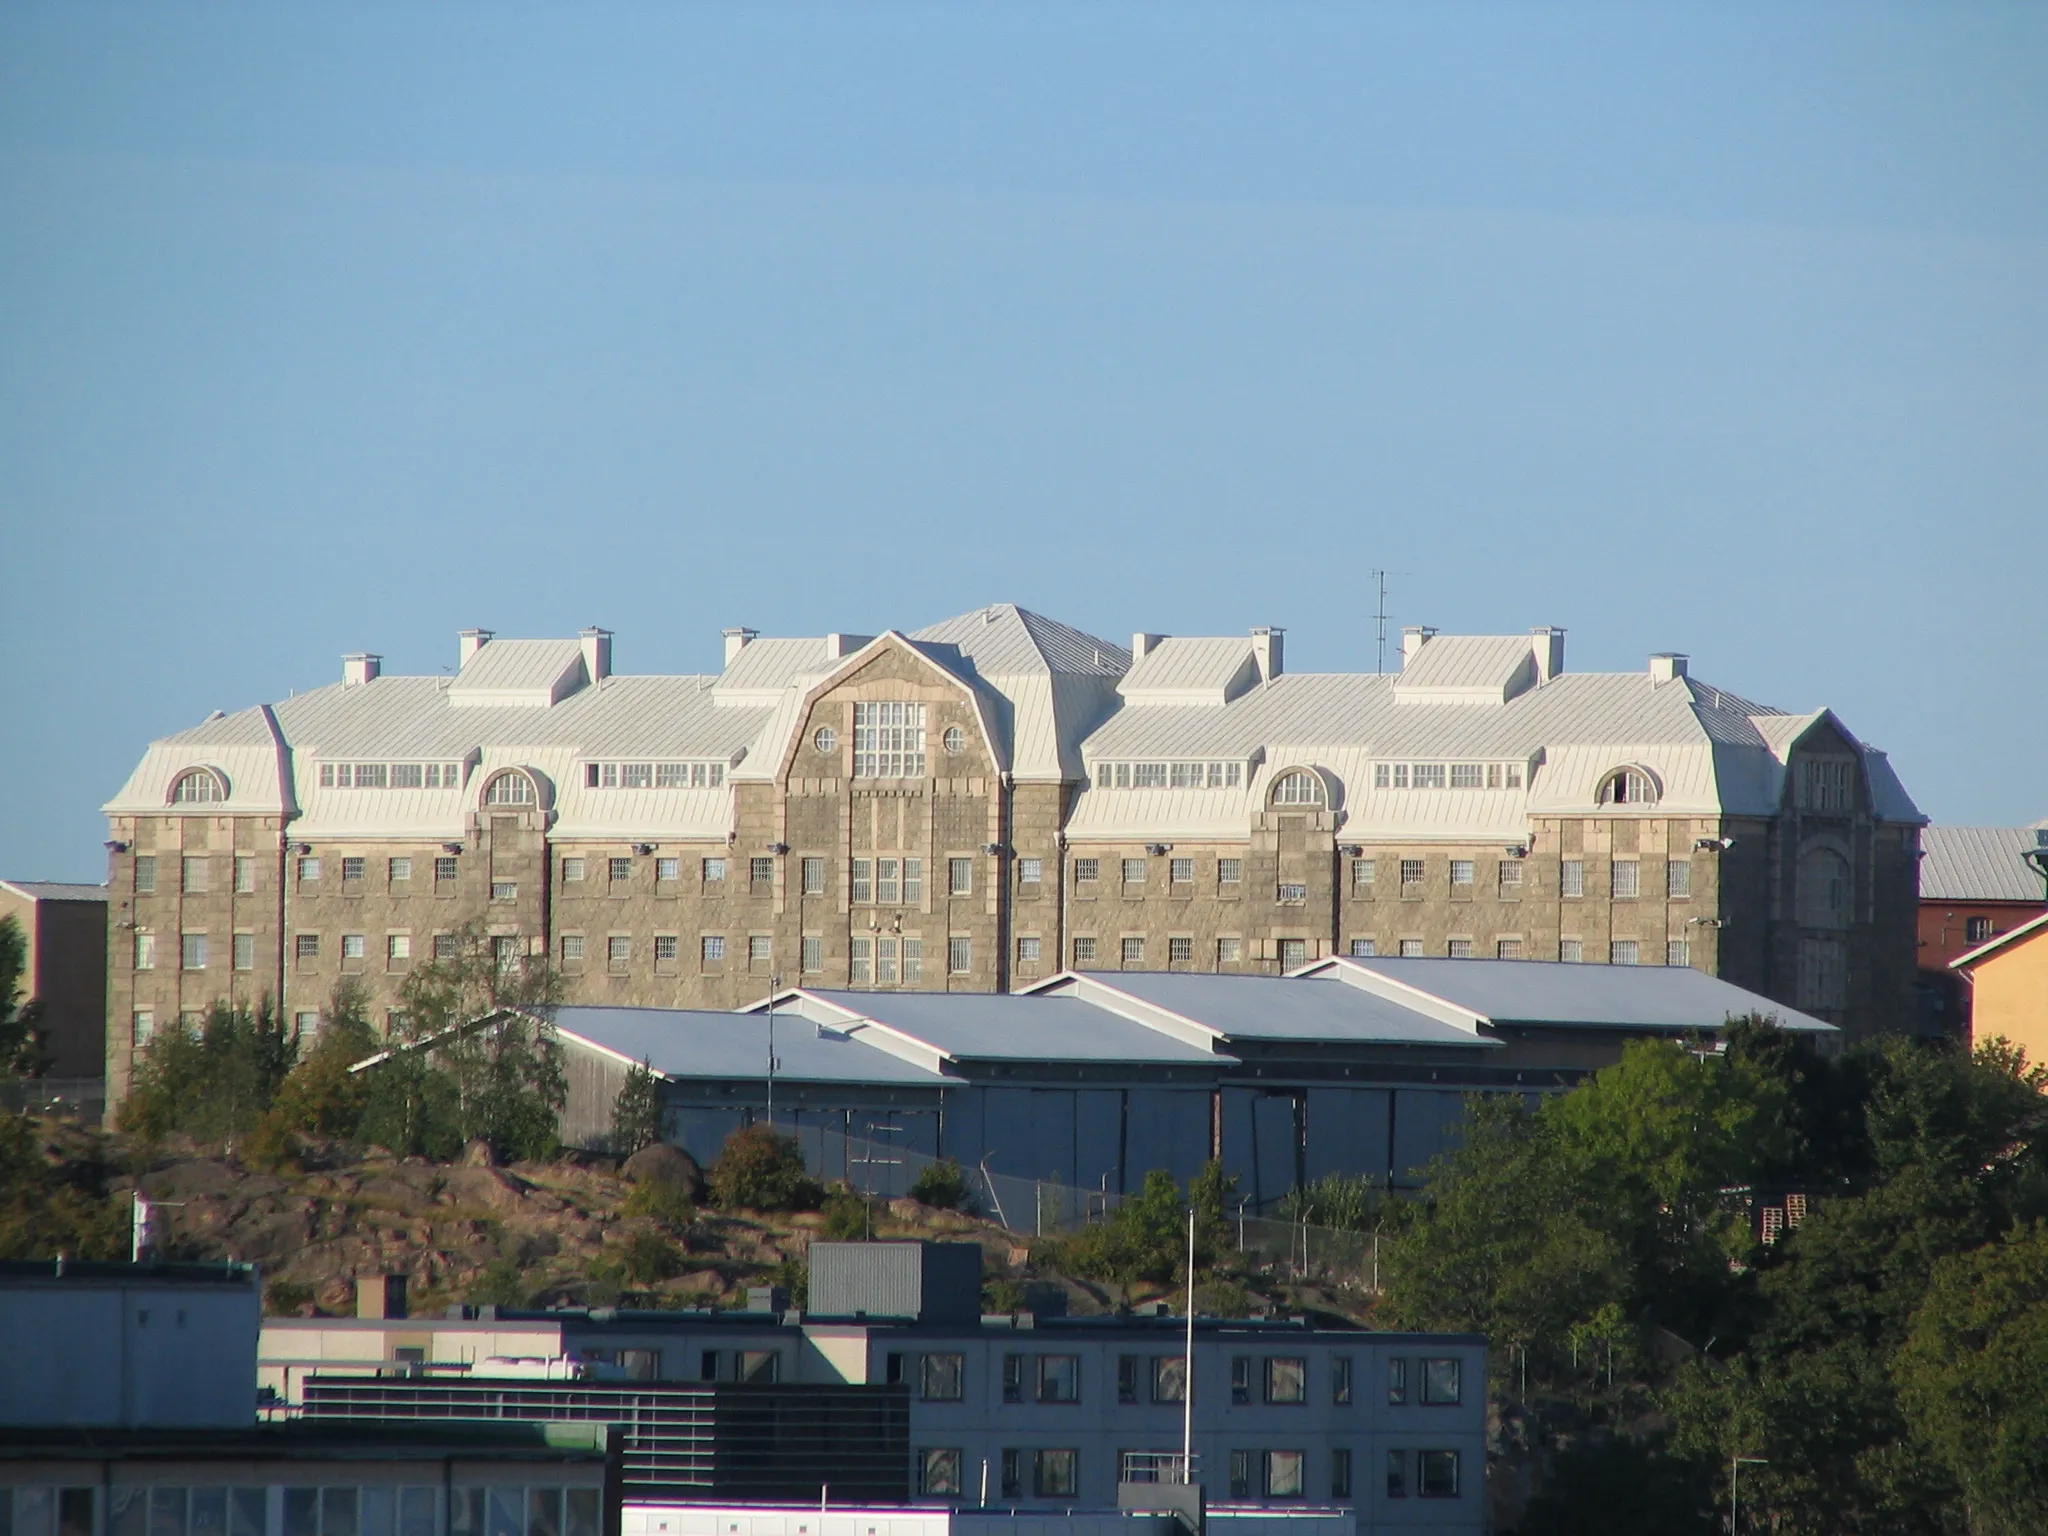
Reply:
x=1379, y=614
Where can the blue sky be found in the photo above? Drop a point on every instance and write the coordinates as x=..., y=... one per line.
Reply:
x=1716, y=328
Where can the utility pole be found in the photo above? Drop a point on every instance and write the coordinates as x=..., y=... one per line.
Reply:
x=1735, y=1466
x=1187, y=1370
x=774, y=986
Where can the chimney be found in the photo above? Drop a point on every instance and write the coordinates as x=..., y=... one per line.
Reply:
x=597, y=653
x=736, y=641
x=473, y=640
x=1548, y=643
x=1141, y=645
x=360, y=667
x=380, y=1296
x=836, y=646
x=1266, y=651
x=1413, y=639
x=1666, y=666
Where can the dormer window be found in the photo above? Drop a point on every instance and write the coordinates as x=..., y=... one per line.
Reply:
x=509, y=789
x=1169, y=775
x=1298, y=788
x=199, y=786
x=1628, y=786
x=888, y=740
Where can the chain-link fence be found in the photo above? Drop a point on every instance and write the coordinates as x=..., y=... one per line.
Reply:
x=1041, y=1208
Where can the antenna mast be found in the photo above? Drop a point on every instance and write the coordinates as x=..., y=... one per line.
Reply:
x=1379, y=619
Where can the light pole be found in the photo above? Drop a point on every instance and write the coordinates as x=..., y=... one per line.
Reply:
x=1735, y=1466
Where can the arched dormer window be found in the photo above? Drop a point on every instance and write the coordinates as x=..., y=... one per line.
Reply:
x=1630, y=786
x=1298, y=788
x=509, y=788
x=198, y=786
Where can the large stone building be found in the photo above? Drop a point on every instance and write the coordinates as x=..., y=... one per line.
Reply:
x=982, y=803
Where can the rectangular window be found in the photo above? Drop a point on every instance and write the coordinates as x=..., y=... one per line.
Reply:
x=1436, y=1474
x=619, y=871
x=1185, y=776
x=1134, y=871
x=1570, y=951
x=142, y=1025
x=504, y=890
x=1053, y=1473
x=1428, y=775
x=1411, y=873
x=863, y=880
x=1030, y=871
x=1286, y=1379
x=1087, y=871
x=445, y=870
x=195, y=952
x=888, y=740
x=913, y=882
x=1411, y=949
x=959, y=877
x=959, y=954
x=145, y=951
x=1011, y=1480
x=370, y=776
x=1507, y=949
x=1029, y=950
x=1571, y=878
x=1148, y=776
x=668, y=871
x=618, y=952
x=942, y=1378
x=1240, y=1474
x=1627, y=878
x=1340, y=1474
x=309, y=871
x=1364, y=949
x=145, y=874
x=812, y=956
x=1397, y=1380
x=1678, y=952
x=354, y=946
x=1169, y=1379
x=397, y=950
x=1493, y=775
x=1229, y=951
x=1340, y=1380
x=761, y=873
x=860, y=963
x=886, y=881
x=446, y=946
x=1292, y=892
x=1241, y=1379
x=1397, y=1474
x=407, y=776
x=1510, y=879
x=712, y=949
x=1442, y=1382
x=1013, y=1378
x=1362, y=873
x=1824, y=784
x=1182, y=871
x=1623, y=952
x=306, y=946
x=1459, y=949
x=713, y=871
x=667, y=949
x=351, y=871
x=398, y=871
x=814, y=876
x=245, y=874
x=913, y=959
x=196, y=872
x=1084, y=952
x=1461, y=872
x=1180, y=952
x=1284, y=1479
x=1126, y=1379
x=1229, y=871
x=1468, y=776
x=1293, y=952
x=760, y=951
x=572, y=949
x=885, y=962
x=1059, y=1378
x=938, y=1473
x=245, y=951
x=1134, y=954
x=1678, y=879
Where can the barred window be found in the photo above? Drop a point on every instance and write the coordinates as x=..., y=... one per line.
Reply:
x=1229, y=871
x=668, y=870
x=1570, y=951
x=572, y=949
x=1627, y=878
x=1461, y=871
x=713, y=871
x=195, y=952
x=1623, y=952
x=1180, y=951
x=1508, y=949
x=1511, y=877
x=1229, y=950
x=814, y=876
x=959, y=877
x=1411, y=949
x=446, y=946
x=1678, y=879
x=1030, y=871
x=1411, y=871
x=354, y=946
x=1363, y=949
x=619, y=951
x=398, y=869
x=712, y=948
x=397, y=949
x=309, y=868
x=888, y=740
x=1084, y=952
x=762, y=871
x=352, y=870
x=1134, y=954
x=860, y=963
x=245, y=873
x=1678, y=952
x=245, y=951
x=1825, y=783
x=863, y=880
x=504, y=890
x=665, y=949
x=1182, y=871
x=913, y=959
x=1087, y=870
x=145, y=874
x=812, y=954
x=1459, y=949
x=1029, y=950
x=1293, y=892
x=1362, y=874
x=959, y=954
x=145, y=950
x=1293, y=952
x=620, y=871
x=760, y=950
x=1571, y=878
x=445, y=869
x=1134, y=871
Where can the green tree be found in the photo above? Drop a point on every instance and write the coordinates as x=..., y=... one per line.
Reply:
x=1973, y=1379
x=1145, y=1239
x=760, y=1169
x=636, y=1112
x=322, y=1096
x=214, y=1085
x=50, y=1205
x=944, y=1185
x=21, y=1037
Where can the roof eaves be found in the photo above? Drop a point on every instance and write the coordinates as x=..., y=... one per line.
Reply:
x=1089, y=987
x=1443, y=1010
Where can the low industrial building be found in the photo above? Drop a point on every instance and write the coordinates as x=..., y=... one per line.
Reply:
x=1976, y=883
x=1091, y=1080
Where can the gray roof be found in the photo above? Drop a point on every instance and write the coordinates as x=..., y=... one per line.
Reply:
x=55, y=890
x=995, y=1026
x=1492, y=663
x=1278, y=1008
x=1551, y=992
x=691, y=1043
x=1002, y=639
x=1981, y=864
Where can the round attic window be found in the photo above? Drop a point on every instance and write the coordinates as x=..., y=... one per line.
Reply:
x=826, y=741
x=955, y=739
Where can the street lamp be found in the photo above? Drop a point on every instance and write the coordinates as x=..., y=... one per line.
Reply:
x=1735, y=1466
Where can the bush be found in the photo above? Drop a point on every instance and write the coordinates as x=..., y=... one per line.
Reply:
x=665, y=1200
x=848, y=1216
x=944, y=1185
x=1348, y=1203
x=285, y=1298
x=636, y=1112
x=648, y=1258
x=759, y=1169
x=502, y=1284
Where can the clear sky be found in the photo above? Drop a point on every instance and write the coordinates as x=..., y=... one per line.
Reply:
x=1719, y=328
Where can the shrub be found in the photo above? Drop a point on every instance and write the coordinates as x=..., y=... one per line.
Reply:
x=648, y=1258
x=502, y=1284
x=636, y=1112
x=285, y=1298
x=759, y=1169
x=848, y=1216
x=944, y=1185
x=665, y=1200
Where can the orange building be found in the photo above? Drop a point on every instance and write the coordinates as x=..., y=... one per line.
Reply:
x=1976, y=884
x=2008, y=983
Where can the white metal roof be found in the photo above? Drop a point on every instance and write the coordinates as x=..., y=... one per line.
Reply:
x=1981, y=864
x=519, y=672
x=1479, y=669
x=1205, y=670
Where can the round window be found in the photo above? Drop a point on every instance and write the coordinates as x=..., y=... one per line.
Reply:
x=826, y=741
x=956, y=739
